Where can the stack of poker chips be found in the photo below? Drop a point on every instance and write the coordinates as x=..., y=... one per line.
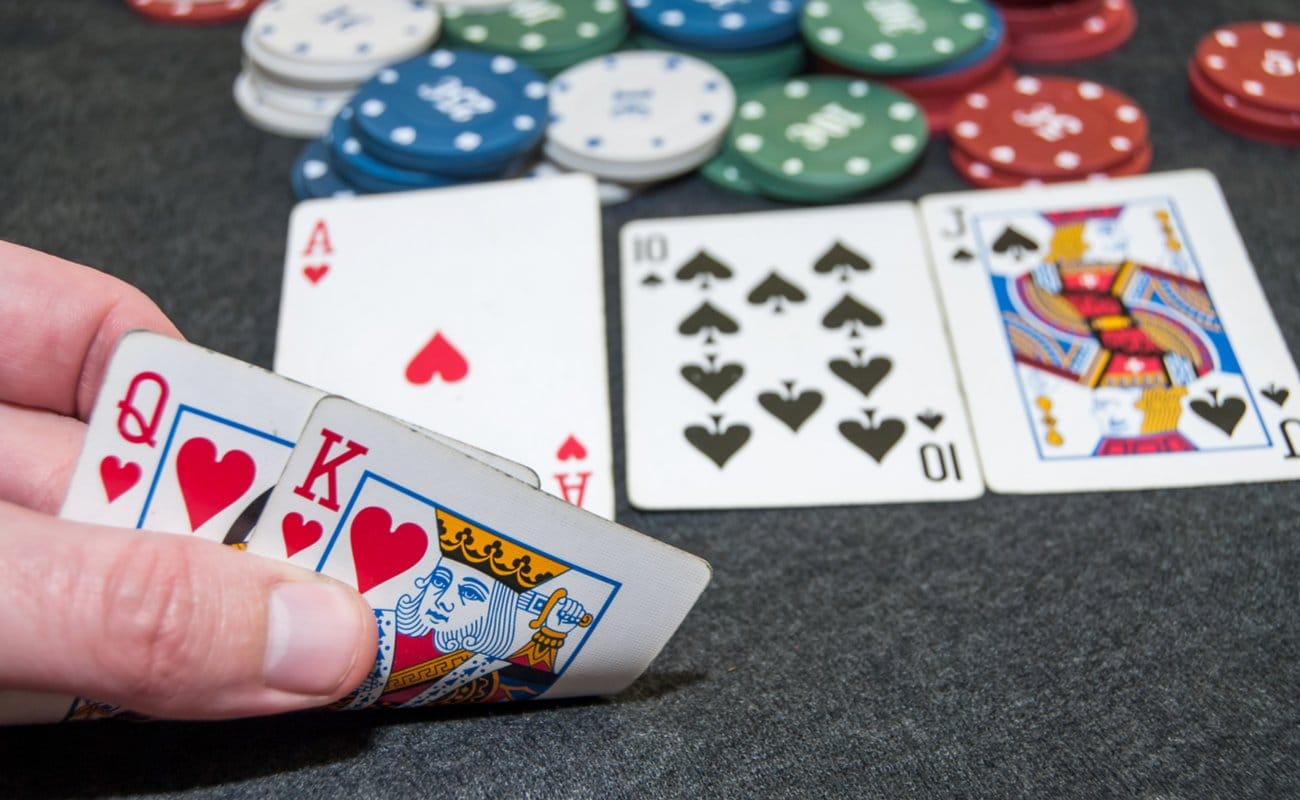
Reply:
x=548, y=35
x=935, y=51
x=194, y=12
x=1095, y=132
x=750, y=41
x=438, y=119
x=818, y=138
x=303, y=59
x=1058, y=31
x=1244, y=78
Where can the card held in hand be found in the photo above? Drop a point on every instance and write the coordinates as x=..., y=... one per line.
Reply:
x=1113, y=336
x=484, y=590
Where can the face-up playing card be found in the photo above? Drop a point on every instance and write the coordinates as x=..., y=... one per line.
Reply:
x=477, y=312
x=484, y=590
x=184, y=440
x=1113, y=336
x=788, y=358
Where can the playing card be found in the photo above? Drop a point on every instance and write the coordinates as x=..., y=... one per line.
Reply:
x=484, y=590
x=185, y=440
x=477, y=312
x=1113, y=335
x=788, y=358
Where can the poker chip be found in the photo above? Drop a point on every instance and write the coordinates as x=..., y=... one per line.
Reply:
x=725, y=170
x=1239, y=116
x=194, y=12
x=458, y=113
x=742, y=67
x=1048, y=17
x=323, y=42
x=824, y=138
x=1048, y=127
x=938, y=108
x=313, y=175
x=548, y=35
x=987, y=176
x=638, y=116
x=1257, y=62
x=296, y=99
x=364, y=170
x=894, y=38
x=272, y=119
x=736, y=25
x=1099, y=34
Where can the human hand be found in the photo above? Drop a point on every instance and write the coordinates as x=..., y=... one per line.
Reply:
x=166, y=625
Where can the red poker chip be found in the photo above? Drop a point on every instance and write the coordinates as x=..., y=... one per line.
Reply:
x=194, y=12
x=986, y=176
x=1288, y=135
x=1043, y=127
x=1045, y=17
x=1096, y=36
x=1257, y=61
x=1239, y=108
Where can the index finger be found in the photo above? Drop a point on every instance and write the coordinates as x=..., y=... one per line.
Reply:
x=61, y=323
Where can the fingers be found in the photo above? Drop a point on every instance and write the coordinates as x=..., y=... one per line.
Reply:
x=41, y=450
x=172, y=626
x=61, y=322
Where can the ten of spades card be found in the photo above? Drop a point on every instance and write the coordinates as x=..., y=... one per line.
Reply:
x=788, y=358
x=477, y=312
x=484, y=590
x=1113, y=336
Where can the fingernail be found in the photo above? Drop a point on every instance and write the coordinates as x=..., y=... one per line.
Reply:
x=311, y=638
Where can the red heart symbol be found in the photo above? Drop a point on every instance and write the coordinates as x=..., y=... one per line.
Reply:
x=379, y=552
x=209, y=484
x=314, y=274
x=572, y=448
x=299, y=534
x=439, y=356
x=117, y=477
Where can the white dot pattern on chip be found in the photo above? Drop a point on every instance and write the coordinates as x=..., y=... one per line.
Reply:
x=467, y=141
x=403, y=135
x=859, y=89
x=966, y=129
x=944, y=45
x=476, y=33
x=1067, y=159
x=588, y=30
x=796, y=89
x=1122, y=144
x=752, y=109
x=1090, y=91
x=973, y=22
x=981, y=170
x=857, y=165
x=524, y=123
x=315, y=168
x=532, y=41
x=1027, y=85
x=902, y=112
x=1226, y=38
x=749, y=142
x=883, y=51
x=502, y=65
x=732, y=21
x=373, y=107
x=903, y=143
x=442, y=58
x=351, y=146
x=1253, y=88
x=1128, y=114
x=830, y=36
x=388, y=76
x=1003, y=154
x=1273, y=30
x=792, y=166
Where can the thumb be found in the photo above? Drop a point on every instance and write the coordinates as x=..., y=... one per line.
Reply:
x=171, y=626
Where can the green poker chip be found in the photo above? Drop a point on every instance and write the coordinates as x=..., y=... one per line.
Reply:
x=823, y=138
x=742, y=67
x=894, y=37
x=545, y=30
x=727, y=171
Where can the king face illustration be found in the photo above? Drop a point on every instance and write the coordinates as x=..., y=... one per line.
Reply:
x=486, y=625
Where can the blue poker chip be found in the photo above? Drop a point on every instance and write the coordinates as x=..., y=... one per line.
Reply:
x=313, y=175
x=737, y=25
x=459, y=113
x=363, y=169
x=993, y=36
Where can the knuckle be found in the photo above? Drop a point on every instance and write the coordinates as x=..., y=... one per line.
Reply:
x=153, y=634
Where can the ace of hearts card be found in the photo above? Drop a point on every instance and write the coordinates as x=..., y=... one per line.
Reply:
x=477, y=312
x=788, y=358
x=1113, y=335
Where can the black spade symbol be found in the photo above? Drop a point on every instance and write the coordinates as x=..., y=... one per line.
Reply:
x=703, y=266
x=793, y=410
x=841, y=259
x=861, y=376
x=707, y=318
x=1277, y=394
x=1223, y=415
x=778, y=290
x=872, y=439
x=718, y=444
x=714, y=381
x=651, y=280
x=930, y=419
x=963, y=255
x=853, y=313
x=243, y=524
x=1015, y=242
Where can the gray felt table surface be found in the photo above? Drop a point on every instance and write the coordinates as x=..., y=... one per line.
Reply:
x=1144, y=644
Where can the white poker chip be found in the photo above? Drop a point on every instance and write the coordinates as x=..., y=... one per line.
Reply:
x=325, y=41
x=295, y=99
x=276, y=120
x=638, y=116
